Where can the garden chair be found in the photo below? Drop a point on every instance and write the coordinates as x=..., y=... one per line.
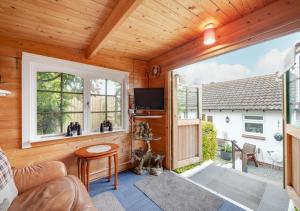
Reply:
x=249, y=150
x=247, y=153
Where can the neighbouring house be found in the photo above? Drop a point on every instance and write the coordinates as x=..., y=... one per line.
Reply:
x=247, y=110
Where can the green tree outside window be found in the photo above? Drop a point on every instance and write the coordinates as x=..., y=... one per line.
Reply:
x=59, y=102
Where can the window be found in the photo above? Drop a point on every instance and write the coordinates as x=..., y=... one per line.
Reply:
x=293, y=92
x=210, y=118
x=254, y=124
x=105, y=103
x=57, y=92
x=59, y=101
x=187, y=104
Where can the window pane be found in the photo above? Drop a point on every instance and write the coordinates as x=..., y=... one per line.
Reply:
x=97, y=103
x=294, y=103
x=96, y=119
x=254, y=127
x=72, y=102
x=98, y=86
x=48, y=123
x=115, y=118
x=113, y=88
x=192, y=114
x=192, y=100
x=72, y=117
x=113, y=103
x=52, y=102
x=72, y=83
x=254, y=117
x=294, y=73
x=48, y=81
x=187, y=98
x=181, y=99
x=48, y=102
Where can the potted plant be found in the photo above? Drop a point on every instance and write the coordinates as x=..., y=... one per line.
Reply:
x=278, y=136
x=226, y=152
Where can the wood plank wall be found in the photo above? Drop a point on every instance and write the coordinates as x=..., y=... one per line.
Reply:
x=296, y=164
x=10, y=107
x=160, y=127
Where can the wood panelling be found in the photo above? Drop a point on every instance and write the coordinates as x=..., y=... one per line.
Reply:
x=160, y=126
x=296, y=165
x=158, y=26
x=153, y=28
x=68, y=23
x=276, y=19
x=188, y=143
x=292, y=164
x=10, y=117
x=122, y=10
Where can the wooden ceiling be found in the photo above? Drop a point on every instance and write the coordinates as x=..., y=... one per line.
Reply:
x=68, y=23
x=150, y=27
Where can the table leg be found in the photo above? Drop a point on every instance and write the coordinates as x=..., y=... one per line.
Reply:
x=87, y=175
x=109, y=168
x=79, y=168
x=83, y=171
x=116, y=170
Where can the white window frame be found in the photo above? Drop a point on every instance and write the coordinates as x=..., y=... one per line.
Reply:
x=253, y=121
x=32, y=63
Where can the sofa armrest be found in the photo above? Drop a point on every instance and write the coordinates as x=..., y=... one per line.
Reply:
x=35, y=175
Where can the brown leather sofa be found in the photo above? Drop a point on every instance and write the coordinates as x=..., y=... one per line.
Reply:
x=46, y=186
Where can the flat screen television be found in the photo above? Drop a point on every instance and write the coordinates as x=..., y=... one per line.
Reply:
x=149, y=98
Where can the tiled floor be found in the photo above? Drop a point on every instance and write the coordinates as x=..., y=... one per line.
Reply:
x=133, y=199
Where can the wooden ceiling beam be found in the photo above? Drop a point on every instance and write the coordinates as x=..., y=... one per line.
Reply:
x=119, y=14
x=277, y=19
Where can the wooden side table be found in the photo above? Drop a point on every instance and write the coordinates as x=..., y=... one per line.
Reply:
x=86, y=154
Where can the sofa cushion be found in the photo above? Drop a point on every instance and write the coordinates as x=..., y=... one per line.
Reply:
x=8, y=190
x=65, y=193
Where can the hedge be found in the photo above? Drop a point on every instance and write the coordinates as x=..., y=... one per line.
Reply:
x=209, y=141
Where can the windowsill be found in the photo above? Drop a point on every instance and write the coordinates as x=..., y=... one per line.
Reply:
x=258, y=137
x=59, y=139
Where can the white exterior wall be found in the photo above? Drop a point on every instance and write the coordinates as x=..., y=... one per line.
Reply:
x=234, y=130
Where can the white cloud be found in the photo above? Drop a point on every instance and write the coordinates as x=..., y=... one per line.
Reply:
x=203, y=73
x=271, y=62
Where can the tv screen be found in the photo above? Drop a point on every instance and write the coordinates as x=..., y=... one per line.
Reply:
x=149, y=98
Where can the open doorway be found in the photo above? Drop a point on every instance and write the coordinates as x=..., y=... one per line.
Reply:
x=239, y=98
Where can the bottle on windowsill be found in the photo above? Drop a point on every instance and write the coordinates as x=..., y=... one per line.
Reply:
x=78, y=128
x=69, y=133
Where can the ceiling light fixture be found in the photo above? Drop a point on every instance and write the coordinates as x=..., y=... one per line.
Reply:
x=209, y=36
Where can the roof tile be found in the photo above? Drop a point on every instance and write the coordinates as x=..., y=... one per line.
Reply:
x=256, y=93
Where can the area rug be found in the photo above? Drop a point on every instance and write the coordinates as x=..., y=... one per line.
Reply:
x=107, y=201
x=172, y=192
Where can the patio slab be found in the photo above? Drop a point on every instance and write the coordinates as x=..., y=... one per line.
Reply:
x=246, y=190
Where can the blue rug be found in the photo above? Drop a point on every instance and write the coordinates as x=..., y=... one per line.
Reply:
x=131, y=198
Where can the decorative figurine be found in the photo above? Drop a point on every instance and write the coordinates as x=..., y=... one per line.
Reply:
x=106, y=126
x=144, y=159
x=74, y=129
x=144, y=131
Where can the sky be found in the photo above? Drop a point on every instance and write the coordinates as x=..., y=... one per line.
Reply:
x=260, y=59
